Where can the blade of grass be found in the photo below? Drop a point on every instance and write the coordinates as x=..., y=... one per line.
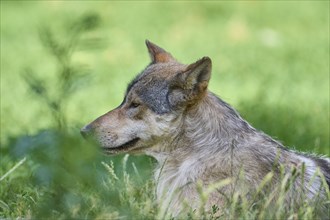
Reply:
x=13, y=169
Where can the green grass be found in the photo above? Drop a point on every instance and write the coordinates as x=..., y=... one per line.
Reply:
x=270, y=61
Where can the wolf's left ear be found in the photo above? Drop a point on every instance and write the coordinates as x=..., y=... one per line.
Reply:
x=191, y=84
x=158, y=54
x=197, y=75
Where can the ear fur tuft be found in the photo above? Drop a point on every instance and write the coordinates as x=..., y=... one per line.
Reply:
x=198, y=73
x=191, y=85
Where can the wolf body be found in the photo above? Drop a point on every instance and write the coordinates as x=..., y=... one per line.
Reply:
x=199, y=140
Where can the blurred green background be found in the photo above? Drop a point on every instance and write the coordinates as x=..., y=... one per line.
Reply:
x=270, y=62
x=270, y=59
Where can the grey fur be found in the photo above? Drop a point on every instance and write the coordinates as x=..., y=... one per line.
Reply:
x=197, y=137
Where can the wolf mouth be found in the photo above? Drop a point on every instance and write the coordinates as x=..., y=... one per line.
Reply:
x=122, y=147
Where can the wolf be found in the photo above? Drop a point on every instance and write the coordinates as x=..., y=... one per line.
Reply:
x=199, y=140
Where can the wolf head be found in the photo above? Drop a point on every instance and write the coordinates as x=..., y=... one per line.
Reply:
x=154, y=105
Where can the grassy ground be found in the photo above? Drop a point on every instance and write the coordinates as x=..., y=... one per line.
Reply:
x=270, y=61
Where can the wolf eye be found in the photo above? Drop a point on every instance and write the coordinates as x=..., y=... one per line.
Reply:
x=134, y=105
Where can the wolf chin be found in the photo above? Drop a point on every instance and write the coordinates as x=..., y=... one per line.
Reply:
x=199, y=140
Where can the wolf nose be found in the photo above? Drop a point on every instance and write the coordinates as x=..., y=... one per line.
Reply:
x=86, y=131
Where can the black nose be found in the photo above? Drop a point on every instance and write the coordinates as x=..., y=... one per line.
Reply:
x=86, y=131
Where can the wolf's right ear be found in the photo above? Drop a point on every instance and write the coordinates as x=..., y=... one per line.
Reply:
x=158, y=54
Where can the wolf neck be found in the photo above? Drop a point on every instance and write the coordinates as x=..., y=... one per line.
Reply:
x=210, y=128
x=204, y=143
x=214, y=124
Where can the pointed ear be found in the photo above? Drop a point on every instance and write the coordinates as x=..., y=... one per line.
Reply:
x=197, y=75
x=191, y=85
x=158, y=54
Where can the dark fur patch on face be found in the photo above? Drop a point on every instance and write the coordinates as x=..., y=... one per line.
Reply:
x=152, y=86
x=130, y=86
x=154, y=95
x=152, y=91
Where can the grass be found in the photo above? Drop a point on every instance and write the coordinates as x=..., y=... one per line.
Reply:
x=270, y=61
